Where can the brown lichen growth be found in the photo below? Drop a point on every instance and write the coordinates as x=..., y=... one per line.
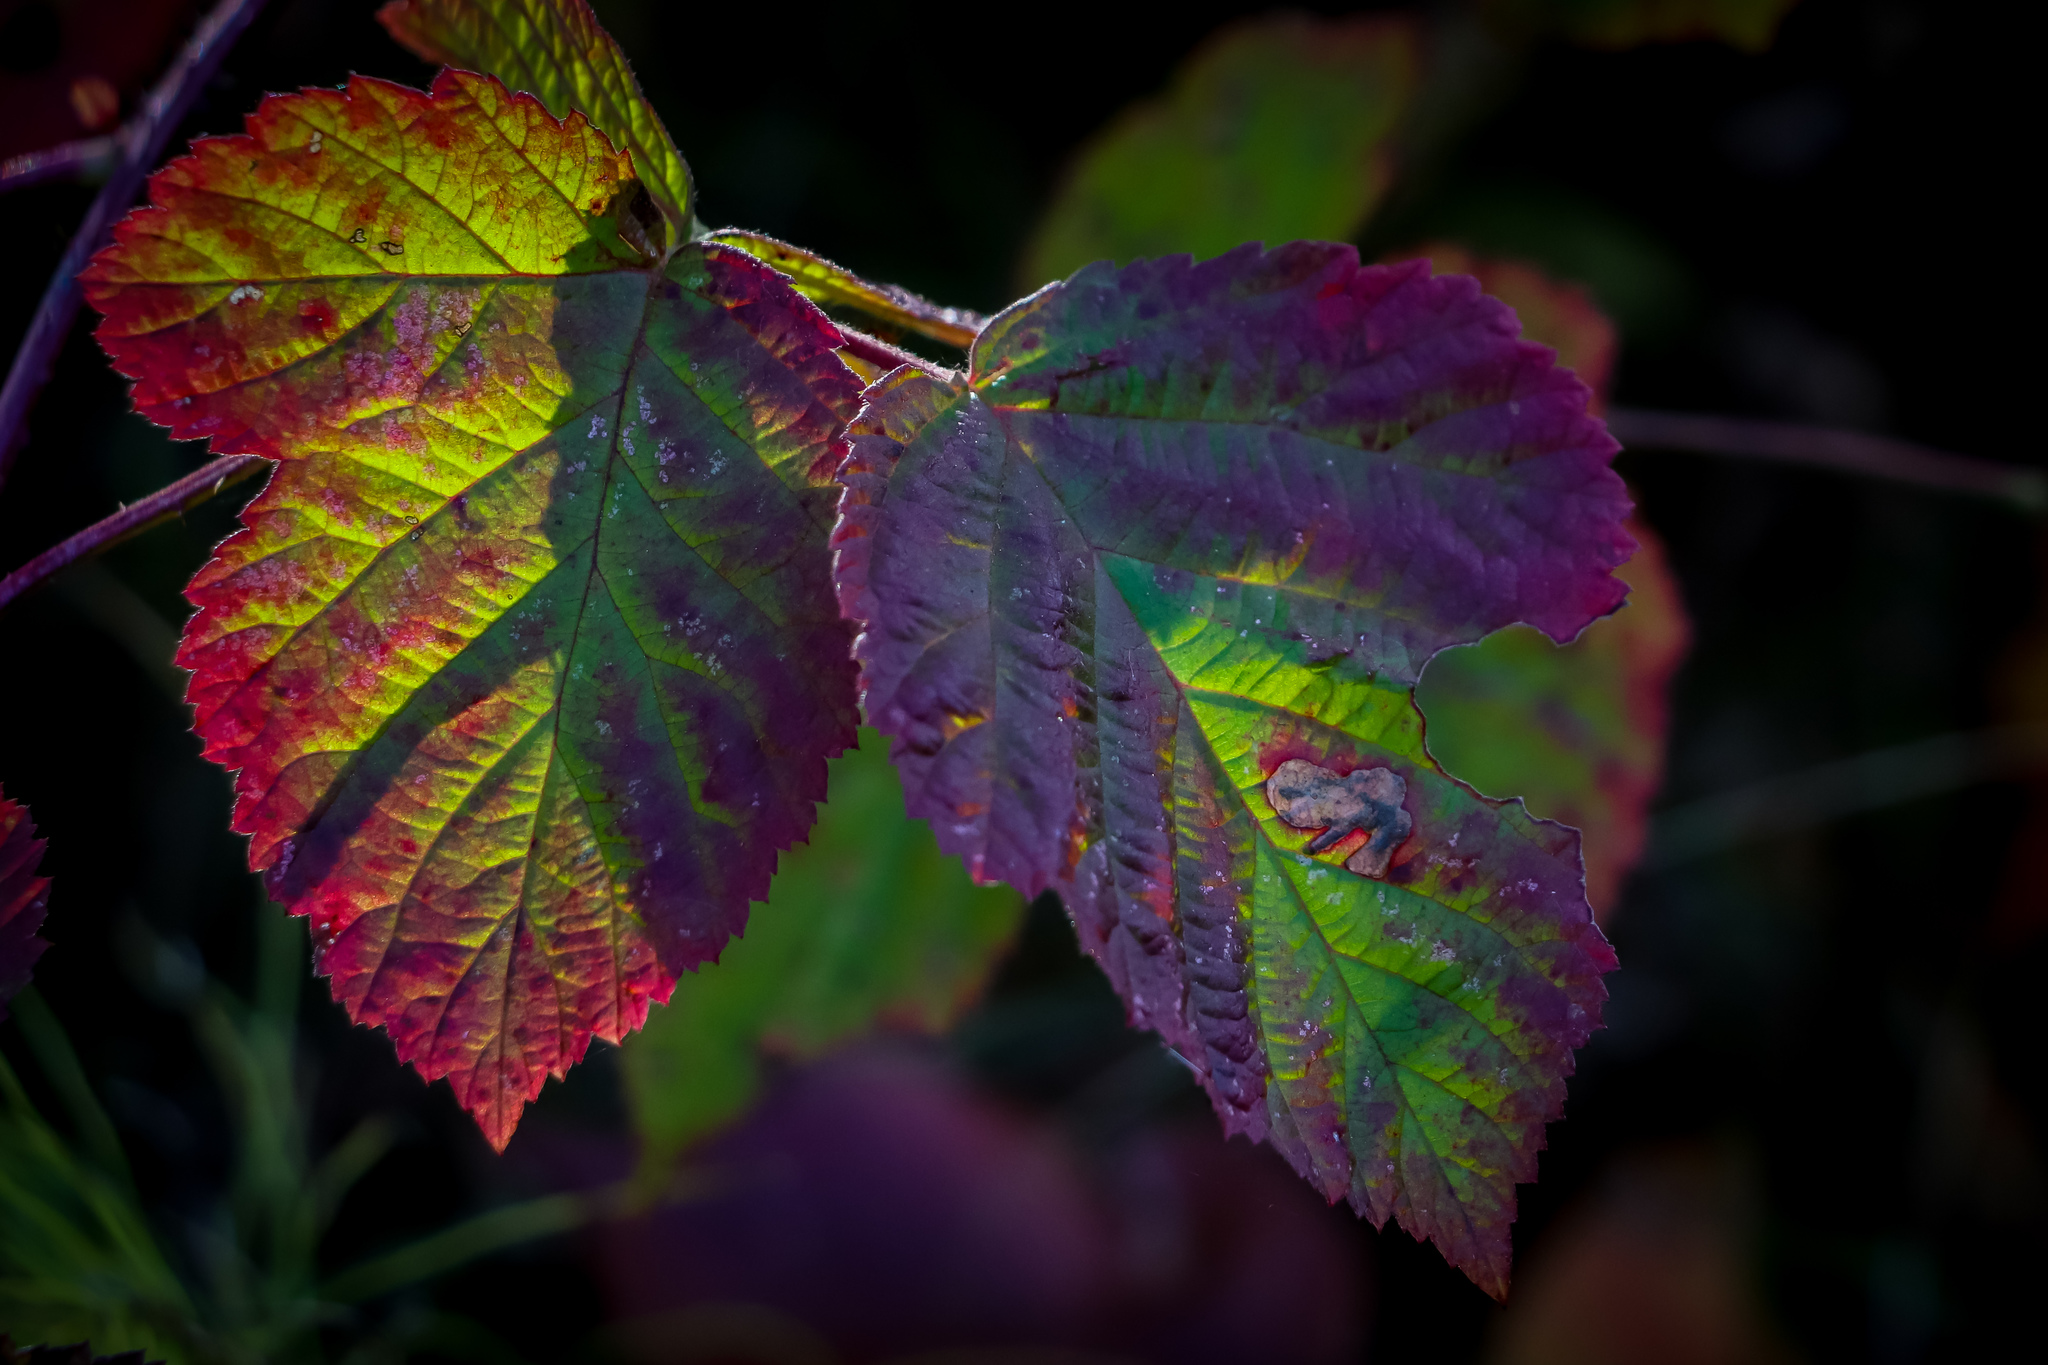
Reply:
x=1311, y=797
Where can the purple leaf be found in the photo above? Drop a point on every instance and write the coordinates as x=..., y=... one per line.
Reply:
x=1178, y=526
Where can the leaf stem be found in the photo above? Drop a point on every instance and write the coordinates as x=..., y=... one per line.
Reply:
x=167, y=502
x=886, y=357
x=142, y=141
x=85, y=156
x=1831, y=791
x=1853, y=452
x=824, y=282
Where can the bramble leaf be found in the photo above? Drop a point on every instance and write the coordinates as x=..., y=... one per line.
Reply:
x=527, y=654
x=557, y=51
x=866, y=922
x=24, y=899
x=1553, y=313
x=1276, y=128
x=1163, y=568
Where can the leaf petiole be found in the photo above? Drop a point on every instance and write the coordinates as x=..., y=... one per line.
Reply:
x=834, y=286
x=1852, y=452
x=167, y=502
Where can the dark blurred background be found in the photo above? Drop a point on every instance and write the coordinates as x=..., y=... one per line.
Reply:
x=1811, y=1131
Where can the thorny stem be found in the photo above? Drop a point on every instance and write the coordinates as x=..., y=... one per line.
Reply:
x=142, y=143
x=85, y=156
x=136, y=517
x=1851, y=451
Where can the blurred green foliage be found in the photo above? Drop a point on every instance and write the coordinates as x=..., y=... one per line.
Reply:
x=867, y=922
x=1577, y=730
x=239, y=1283
x=78, y=1260
x=1275, y=129
x=1635, y=279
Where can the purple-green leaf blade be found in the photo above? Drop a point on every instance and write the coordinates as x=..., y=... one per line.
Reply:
x=1183, y=524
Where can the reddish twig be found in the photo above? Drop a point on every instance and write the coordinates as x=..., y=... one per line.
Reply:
x=84, y=157
x=142, y=143
x=1853, y=452
x=136, y=517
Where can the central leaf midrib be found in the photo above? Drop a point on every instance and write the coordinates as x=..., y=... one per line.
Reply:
x=1407, y=1107
x=612, y=461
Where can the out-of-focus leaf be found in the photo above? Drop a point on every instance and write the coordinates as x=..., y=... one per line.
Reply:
x=559, y=52
x=1161, y=573
x=1656, y=1261
x=24, y=898
x=881, y=1207
x=1747, y=24
x=1632, y=276
x=1276, y=128
x=1577, y=731
x=527, y=655
x=867, y=922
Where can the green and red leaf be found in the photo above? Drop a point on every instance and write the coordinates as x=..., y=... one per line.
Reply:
x=1160, y=573
x=24, y=899
x=556, y=51
x=527, y=656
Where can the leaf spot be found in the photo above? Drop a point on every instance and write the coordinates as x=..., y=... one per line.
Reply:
x=1370, y=799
